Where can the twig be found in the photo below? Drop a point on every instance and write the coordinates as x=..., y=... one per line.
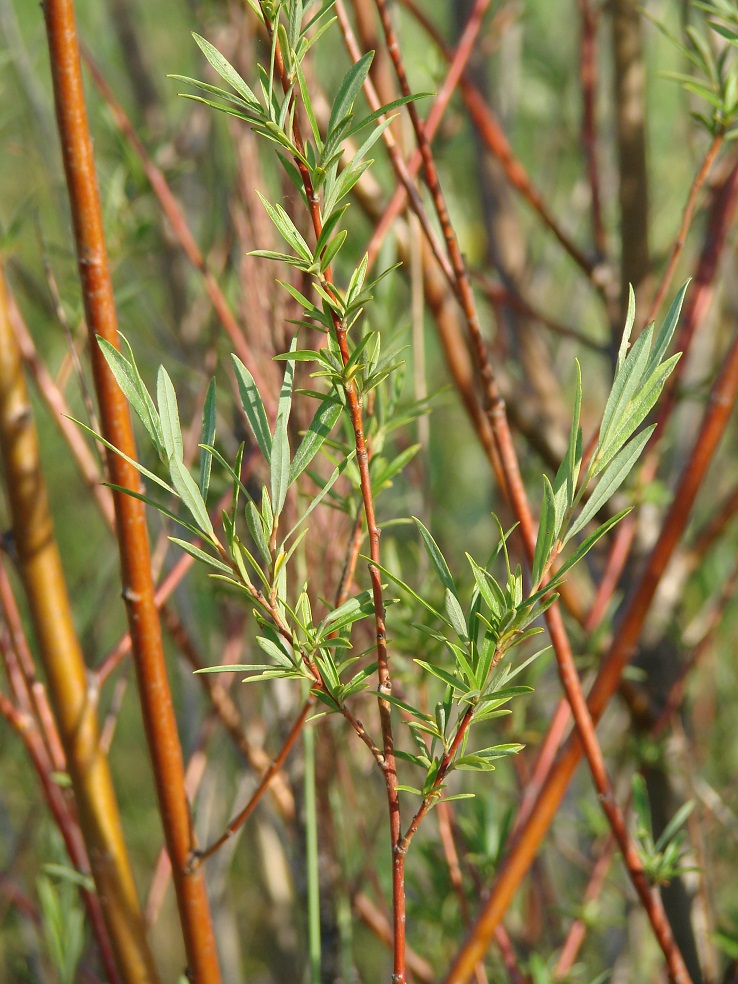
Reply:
x=679, y=242
x=526, y=844
x=497, y=143
x=201, y=856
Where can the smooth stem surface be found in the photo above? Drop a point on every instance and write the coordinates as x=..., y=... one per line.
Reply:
x=74, y=701
x=311, y=855
x=138, y=589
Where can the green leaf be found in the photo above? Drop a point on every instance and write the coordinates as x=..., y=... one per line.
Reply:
x=546, y=533
x=611, y=479
x=386, y=108
x=388, y=472
x=634, y=414
x=565, y=483
x=287, y=229
x=320, y=427
x=207, y=437
x=335, y=475
x=128, y=378
x=131, y=461
x=276, y=651
x=421, y=762
x=412, y=711
x=158, y=506
x=443, y=675
x=456, y=615
x=625, y=340
x=246, y=110
x=224, y=68
x=489, y=589
x=473, y=763
x=581, y=551
x=673, y=826
x=664, y=336
x=189, y=493
x=332, y=250
x=280, y=460
x=256, y=529
x=169, y=415
x=253, y=407
x=625, y=384
x=349, y=89
x=436, y=557
x=360, y=606
x=405, y=587
x=201, y=555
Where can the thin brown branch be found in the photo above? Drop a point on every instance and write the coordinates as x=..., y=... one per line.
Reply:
x=629, y=78
x=494, y=138
x=523, y=850
x=26, y=729
x=687, y=215
x=201, y=856
x=588, y=81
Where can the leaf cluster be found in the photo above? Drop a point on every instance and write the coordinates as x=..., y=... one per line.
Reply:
x=663, y=858
x=714, y=76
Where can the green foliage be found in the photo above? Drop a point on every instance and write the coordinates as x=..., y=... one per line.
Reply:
x=663, y=859
x=477, y=632
x=62, y=921
x=714, y=76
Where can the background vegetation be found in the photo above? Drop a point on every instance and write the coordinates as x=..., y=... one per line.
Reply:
x=582, y=148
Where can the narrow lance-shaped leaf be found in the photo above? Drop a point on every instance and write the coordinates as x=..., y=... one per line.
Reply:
x=201, y=555
x=625, y=385
x=335, y=475
x=611, y=479
x=136, y=464
x=436, y=557
x=189, y=493
x=207, y=438
x=253, y=407
x=455, y=615
x=546, y=532
x=169, y=415
x=280, y=462
x=349, y=89
x=667, y=330
x=129, y=379
x=320, y=427
x=637, y=411
x=630, y=318
x=565, y=483
x=224, y=68
x=287, y=228
x=256, y=529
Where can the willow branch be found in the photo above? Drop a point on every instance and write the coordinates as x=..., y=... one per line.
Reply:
x=138, y=590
